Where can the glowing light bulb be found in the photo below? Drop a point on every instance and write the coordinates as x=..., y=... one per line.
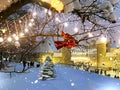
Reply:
x=4, y=30
x=1, y=39
x=90, y=34
x=66, y=24
x=17, y=38
x=20, y=21
x=26, y=30
x=30, y=24
x=32, y=20
x=17, y=44
x=21, y=34
x=45, y=10
x=14, y=35
x=49, y=12
x=103, y=39
x=111, y=58
x=76, y=29
x=57, y=19
x=9, y=39
x=34, y=13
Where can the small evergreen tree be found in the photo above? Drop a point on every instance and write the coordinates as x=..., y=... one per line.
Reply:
x=47, y=70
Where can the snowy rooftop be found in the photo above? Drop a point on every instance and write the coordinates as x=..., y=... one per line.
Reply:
x=46, y=46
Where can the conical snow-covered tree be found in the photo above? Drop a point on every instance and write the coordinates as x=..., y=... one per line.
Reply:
x=47, y=70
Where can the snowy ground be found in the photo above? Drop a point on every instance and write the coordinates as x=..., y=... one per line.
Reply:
x=66, y=79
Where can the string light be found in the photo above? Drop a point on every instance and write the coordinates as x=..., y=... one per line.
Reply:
x=32, y=20
x=20, y=21
x=45, y=10
x=76, y=29
x=34, y=14
x=17, y=44
x=4, y=30
x=21, y=34
x=17, y=38
x=49, y=13
x=14, y=35
x=66, y=24
x=26, y=30
x=1, y=39
x=30, y=24
x=90, y=34
x=9, y=39
x=57, y=19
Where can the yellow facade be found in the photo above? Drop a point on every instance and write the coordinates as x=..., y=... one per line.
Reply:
x=110, y=59
x=42, y=56
x=101, y=54
x=55, y=59
x=66, y=56
x=115, y=58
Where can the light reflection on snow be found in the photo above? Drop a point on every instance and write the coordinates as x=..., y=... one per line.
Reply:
x=32, y=82
x=72, y=84
x=36, y=81
x=25, y=77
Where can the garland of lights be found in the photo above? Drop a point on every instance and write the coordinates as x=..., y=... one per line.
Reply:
x=30, y=24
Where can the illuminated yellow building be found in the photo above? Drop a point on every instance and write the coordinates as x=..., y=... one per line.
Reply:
x=101, y=54
x=43, y=50
x=113, y=58
x=80, y=55
x=40, y=57
x=66, y=56
x=107, y=57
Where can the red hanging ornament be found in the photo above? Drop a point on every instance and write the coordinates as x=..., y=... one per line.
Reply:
x=69, y=41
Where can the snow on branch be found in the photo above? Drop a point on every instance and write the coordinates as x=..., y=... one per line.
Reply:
x=86, y=9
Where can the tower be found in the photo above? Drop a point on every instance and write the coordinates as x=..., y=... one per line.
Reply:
x=101, y=52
